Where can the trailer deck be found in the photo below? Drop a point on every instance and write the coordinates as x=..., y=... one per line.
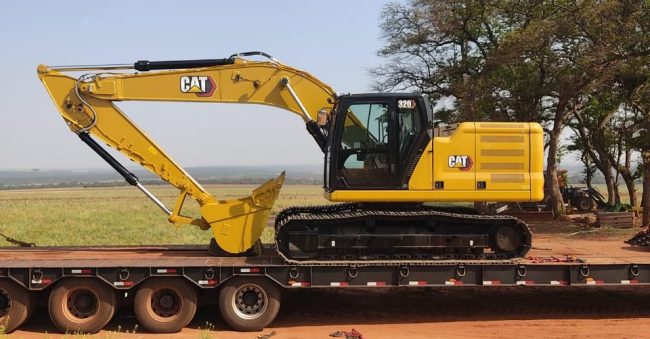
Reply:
x=560, y=262
x=80, y=283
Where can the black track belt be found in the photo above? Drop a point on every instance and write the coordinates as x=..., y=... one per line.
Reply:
x=404, y=232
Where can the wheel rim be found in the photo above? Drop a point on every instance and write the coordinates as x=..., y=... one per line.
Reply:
x=166, y=303
x=249, y=301
x=82, y=303
x=5, y=303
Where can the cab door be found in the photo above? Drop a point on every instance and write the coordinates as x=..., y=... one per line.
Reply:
x=362, y=154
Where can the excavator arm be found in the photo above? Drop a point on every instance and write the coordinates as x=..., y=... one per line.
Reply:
x=87, y=104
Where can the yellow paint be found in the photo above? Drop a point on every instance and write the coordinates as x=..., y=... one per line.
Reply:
x=237, y=224
x=424, y=196
x=459, y=143
x=536, y=162
x=508, y=157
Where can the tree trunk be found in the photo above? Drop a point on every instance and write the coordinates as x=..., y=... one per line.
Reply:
x=599, y=156
x=629, y=183
x=626, y=173
x=631, y=188
x=553, y=187
x=609, y=182
x=646, y=188
x=589, y=173
x=604, y=164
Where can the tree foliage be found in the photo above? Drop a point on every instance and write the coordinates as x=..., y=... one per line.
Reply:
x=554, y=62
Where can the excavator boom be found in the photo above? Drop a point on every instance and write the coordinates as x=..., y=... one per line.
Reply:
x=86, y=103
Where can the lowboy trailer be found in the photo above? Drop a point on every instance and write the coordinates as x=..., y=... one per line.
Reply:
x=84, y=285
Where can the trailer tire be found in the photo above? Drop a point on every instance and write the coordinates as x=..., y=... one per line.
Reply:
x=165, y=305
x=249, y=303
x=15, y=304
x=81, y=305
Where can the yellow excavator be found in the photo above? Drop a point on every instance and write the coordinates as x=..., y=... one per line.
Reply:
x=383, y=156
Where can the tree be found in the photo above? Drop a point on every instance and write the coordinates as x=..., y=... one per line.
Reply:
x=592, y=128
x=623, y=130
x=514, y=61
x=640, y=103
x=588, y=166
x=443, y=48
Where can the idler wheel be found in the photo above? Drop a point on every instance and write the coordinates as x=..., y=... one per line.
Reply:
x=507, y=239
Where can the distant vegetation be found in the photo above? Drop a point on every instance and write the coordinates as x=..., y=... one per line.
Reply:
x=296, y=175
x=305, y=174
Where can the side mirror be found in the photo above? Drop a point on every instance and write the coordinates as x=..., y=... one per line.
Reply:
x=323, y=114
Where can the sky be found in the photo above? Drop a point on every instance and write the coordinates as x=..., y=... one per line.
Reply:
x=335, y=40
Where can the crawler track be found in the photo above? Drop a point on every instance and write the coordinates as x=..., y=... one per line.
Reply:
x=402, y=232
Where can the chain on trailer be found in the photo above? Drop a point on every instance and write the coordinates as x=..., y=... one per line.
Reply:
x=17, y=242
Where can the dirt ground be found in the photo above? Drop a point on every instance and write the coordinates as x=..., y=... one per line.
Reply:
x=485, y=312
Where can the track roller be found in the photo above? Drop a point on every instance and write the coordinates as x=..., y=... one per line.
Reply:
x=249, y=303
x=81, y=305
x=15, y=304
x=165, y=305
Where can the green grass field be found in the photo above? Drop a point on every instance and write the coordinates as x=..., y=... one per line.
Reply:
x=118, y=216
x=124, y=216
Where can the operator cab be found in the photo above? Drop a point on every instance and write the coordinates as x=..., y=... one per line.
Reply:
x=375, y=140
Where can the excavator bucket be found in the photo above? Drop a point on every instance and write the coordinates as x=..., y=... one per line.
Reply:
x=237, y=224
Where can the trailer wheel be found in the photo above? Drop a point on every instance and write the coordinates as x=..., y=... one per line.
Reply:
x=249, y=303
x=15, y=302
x=165, y=305
x=83, y=305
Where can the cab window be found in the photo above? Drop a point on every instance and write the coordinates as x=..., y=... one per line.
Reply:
x=364, y=151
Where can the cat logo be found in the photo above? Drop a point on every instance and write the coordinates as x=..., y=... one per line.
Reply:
x=462, y=162
x=201, y=85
